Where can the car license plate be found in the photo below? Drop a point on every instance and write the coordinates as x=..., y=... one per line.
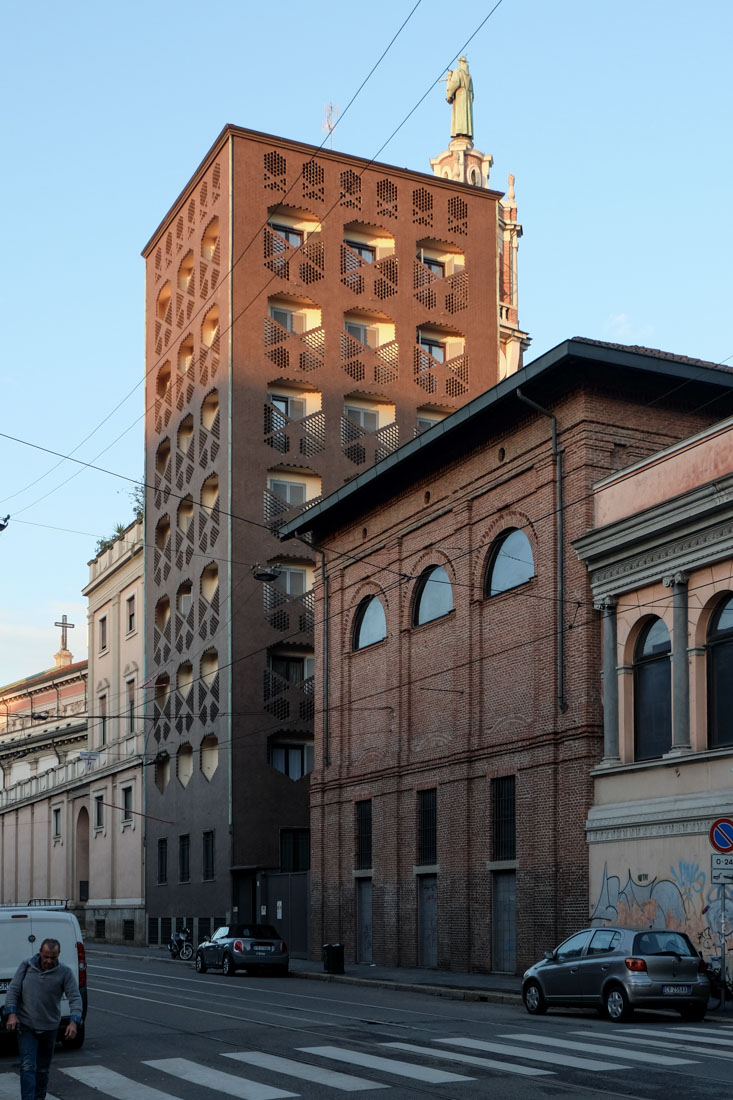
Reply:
x=262, y=950
x=4, y=985
x=676, y=989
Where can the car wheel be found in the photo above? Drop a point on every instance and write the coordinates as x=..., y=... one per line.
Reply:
x=693, y=1012
x=534, y=999
x=228, y=966
x=617, y=1004
x=200, y=964
x=77, y=1042
x=187, y=952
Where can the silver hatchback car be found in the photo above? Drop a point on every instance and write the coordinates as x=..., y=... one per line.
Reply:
x=250, y=947
x=616, y=970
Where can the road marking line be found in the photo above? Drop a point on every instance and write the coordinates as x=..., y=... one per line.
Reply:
x=541, y=1056
x=485, y=1063
x=596, y=1048
x=226, y=1083
x=306, y=1072
x=669, y=1044
x=387, y=1065
x=114, y=1084
x=684, y=1033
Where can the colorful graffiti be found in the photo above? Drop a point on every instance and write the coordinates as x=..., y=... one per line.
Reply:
x=685, y=902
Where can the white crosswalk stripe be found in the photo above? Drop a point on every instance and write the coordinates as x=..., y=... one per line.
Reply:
x=208, y=1078
x=687, y=1034
x=470, y=1060
x=549, y=1058
x=114, y=1084
x=386, y=1065
x=683, y=1043
x=596, y=1048
x=305, y=1072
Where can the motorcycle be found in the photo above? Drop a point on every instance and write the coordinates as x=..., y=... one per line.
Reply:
x=180, y=945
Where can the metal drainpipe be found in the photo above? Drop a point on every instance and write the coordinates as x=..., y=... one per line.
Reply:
x=560, y=539
x=326, y=611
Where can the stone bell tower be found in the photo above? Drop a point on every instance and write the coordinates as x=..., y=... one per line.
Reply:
x=463, y=163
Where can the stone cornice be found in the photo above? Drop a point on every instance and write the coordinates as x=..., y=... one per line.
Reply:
x=676, y=815
x=676, y=536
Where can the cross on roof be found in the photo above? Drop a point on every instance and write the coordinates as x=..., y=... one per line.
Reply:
x=64, y=627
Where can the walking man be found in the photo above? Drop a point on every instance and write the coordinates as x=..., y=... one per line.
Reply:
x=33, y=1007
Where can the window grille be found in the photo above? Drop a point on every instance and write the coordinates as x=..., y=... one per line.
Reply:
x=294, y=850
x=162, y=861
x=364, y=835
x=503, y=818
x=204, y=928
x=128, y=930
x=427, y=827
x=184, y=858
x=99, y=929
x=153, y=937
x=165, y=929
x=208, y=854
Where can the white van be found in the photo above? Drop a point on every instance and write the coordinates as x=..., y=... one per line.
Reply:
x=23, y=928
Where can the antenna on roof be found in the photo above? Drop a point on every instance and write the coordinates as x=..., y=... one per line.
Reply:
x=330, y=112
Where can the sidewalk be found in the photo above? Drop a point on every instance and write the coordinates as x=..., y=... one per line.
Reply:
x=494, y=988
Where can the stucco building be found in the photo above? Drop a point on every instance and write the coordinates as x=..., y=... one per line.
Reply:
x=71, y=752
x=458, y=710
x=660, y=556
x=307, y=312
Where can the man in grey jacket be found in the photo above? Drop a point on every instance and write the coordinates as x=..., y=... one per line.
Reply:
x=33, y=1007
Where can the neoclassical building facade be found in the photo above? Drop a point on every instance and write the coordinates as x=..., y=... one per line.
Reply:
x=660, y=557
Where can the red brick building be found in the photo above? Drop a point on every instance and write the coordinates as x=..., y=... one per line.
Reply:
x=307, y=313
x=458, y=708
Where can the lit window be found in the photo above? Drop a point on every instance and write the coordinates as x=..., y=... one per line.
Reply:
x=370, y=624
x=293, y=237
x=433, y=595
x=511, y=563
x=356, y=331
x=293, y=492
x=367, y=419
x=366, y=251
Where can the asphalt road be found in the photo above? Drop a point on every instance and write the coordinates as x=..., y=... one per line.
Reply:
x=157, y=1031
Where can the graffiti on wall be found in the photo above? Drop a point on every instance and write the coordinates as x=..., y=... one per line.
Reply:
x=686, y=901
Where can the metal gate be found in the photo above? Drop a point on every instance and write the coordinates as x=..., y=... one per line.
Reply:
x=427, y=920
x=364, y=920
x=283, y=900
x=504, y=921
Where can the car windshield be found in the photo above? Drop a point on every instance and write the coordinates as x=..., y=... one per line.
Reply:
x=254, y=931
x=662, y=943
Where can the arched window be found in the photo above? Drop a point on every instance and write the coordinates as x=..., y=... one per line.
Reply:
x=433, y=595
x=652, y=692
x=370, y=625
x=510, y=564
x=720, y=675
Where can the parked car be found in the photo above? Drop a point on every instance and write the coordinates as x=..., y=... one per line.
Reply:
x=249, y=947
x=616, y=970
x=23, y=928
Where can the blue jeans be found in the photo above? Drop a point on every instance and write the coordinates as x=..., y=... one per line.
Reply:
x=36, y=1052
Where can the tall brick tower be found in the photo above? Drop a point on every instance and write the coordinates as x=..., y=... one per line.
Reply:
x=307, y=312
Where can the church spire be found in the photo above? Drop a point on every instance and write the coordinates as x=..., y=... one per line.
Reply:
x=461, y=162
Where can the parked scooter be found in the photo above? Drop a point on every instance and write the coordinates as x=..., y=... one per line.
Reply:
x=180, y=945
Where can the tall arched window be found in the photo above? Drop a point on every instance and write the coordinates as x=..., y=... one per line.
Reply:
x=433, y=595
x=652, y=692
x=370, y=625
x=720, y=675
x=511, y=563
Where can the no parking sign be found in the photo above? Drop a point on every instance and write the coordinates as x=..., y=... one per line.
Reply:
x=721, y=835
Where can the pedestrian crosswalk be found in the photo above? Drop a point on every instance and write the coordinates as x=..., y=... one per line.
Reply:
x=445, y=1061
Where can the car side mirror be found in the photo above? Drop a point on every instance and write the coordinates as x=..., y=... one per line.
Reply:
x=550, y=955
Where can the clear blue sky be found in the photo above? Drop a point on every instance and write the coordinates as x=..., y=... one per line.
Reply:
x=615, y=119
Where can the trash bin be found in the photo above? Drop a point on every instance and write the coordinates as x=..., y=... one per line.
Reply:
x=333, y=958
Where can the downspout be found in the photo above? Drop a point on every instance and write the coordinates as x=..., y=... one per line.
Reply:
x=560, y=539
x=326, y=716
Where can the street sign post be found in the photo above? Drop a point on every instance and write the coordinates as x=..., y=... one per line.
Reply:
x=721, y=871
